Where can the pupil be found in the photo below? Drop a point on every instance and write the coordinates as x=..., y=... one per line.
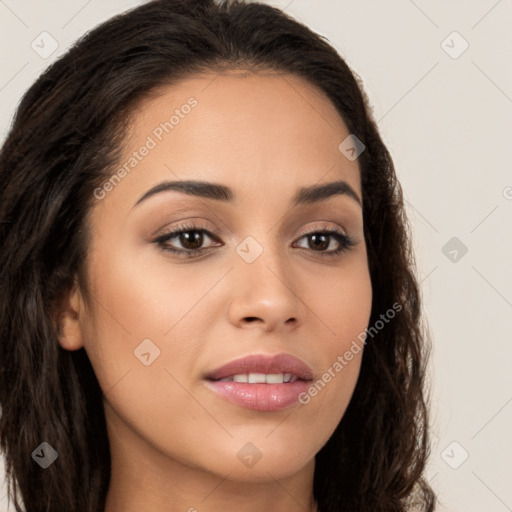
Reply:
x=323, y=244
x=197, y=239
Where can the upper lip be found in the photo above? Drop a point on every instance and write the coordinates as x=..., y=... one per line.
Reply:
x=256, y=363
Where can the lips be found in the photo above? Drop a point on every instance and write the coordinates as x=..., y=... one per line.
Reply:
x=261, y=383
x=258, y=364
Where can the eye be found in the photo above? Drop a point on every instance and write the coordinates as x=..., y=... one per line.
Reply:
x=321, y=239
x=192, y=237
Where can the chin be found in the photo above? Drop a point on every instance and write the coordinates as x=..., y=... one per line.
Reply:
x=262, y=460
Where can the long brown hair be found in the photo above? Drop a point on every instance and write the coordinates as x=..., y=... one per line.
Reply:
x=65, y=140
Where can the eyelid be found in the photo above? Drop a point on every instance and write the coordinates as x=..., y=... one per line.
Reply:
x=344, y=240
x=183, y=228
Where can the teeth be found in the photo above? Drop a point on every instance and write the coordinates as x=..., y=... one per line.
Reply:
x=256, y=378
x=261, y=378
x=274, y=378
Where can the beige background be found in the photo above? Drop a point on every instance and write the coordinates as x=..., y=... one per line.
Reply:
x=446, y=116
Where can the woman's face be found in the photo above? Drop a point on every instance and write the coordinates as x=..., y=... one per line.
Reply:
x=156, y=324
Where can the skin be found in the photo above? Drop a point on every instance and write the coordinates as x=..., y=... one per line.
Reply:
x=174, y=443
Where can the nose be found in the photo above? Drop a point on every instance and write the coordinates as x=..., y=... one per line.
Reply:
x=264, y=293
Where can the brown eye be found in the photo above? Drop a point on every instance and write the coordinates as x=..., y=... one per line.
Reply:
x=193, y=242
x=320, y=240
x=186, y=240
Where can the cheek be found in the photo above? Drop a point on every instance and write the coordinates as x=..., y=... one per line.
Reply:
x=143, y=345
x=145, y=330
x=134, y=299
x=343, y=309
x=124, y=322
x=342, y=305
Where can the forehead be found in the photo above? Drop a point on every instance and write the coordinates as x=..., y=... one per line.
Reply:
x=256, y=132
x=242, y=106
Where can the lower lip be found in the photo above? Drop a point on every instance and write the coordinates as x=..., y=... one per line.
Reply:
x=260, y=397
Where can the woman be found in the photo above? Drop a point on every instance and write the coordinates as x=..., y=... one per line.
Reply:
x=208, y=299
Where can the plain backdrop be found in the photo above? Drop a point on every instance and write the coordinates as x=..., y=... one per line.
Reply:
x=438, y=76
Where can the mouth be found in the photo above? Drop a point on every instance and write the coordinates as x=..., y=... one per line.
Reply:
x=261, y=378
x=257, y=367
x=260, y=382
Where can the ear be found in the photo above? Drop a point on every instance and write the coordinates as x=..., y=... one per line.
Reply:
x=68, y=319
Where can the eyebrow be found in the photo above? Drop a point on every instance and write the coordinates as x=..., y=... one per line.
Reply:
x=218, y=192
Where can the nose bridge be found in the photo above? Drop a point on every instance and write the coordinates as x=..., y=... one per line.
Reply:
x=264, y=287
x=263, y=259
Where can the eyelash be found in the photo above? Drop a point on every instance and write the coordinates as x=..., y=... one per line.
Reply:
x=345, y=241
